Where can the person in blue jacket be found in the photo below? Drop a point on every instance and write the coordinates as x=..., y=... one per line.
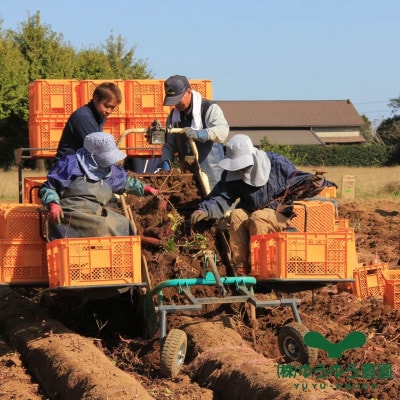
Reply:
x=79, y=186
x=264, y=185
x=206, y=125
x=89, y=118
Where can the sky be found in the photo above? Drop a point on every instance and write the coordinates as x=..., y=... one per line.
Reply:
x=250, y=50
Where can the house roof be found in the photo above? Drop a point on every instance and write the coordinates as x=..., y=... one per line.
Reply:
x=292, y=113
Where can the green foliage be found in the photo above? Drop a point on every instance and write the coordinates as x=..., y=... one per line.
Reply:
x=366, y=130
x=13, y=81
x=176, y=221
x=284, y=150
x=364, y=155
x=47, y=55
x=389, y=131
x=35, y=51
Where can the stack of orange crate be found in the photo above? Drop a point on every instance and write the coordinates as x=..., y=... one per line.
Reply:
x=52, y=101
x=144, y=104
x=22, y=248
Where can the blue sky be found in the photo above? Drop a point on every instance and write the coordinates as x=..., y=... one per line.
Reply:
x=251, y=50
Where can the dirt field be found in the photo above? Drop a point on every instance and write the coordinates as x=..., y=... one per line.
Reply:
x=67, y=346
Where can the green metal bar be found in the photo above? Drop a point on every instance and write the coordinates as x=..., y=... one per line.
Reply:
x=208, y=280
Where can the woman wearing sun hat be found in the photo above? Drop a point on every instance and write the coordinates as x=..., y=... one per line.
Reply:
x=265, y=184
x=80, y=185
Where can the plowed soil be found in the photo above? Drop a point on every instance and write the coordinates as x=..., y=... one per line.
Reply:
x=99, y=345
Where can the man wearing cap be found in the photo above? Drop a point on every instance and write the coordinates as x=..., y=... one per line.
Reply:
x=206, y=125
x=80, y=185
x=266, y=184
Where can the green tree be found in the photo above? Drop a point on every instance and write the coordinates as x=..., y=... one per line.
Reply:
x=48, y=56
x=388, y=131
x=13, y=79
x=394, y=104
x=111, y=61
x=366, y=130
x=122, y=61
x=34, y=52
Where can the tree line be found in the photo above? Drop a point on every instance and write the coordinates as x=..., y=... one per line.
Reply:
x=35, y=51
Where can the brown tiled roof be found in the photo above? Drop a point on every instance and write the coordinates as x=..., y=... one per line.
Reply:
x=293, y=113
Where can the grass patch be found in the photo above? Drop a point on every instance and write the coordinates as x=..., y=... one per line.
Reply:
x=370, y=183
x=376, y=183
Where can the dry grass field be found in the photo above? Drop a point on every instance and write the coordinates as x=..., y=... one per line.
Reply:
x=370, y=183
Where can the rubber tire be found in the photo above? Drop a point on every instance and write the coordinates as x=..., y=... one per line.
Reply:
x=292, y=346
x=173, y=353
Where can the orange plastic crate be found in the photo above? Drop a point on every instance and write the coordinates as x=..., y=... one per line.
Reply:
x=31, y=189
x=44, y=136
x=21, y=221
x=137, y=143
x=51, y=98
x=292, y=255
x=329, y=191
x=314, y=216
x=116, y=126
x=369, y=280
x=342, y=223
x=94, y=261
x=23, y=262
x=145, y=98
x=203, y=86
x=391, y=294
x=87, y=87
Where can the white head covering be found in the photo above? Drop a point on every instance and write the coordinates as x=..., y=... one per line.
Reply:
x=103, y=148
x=241, y=154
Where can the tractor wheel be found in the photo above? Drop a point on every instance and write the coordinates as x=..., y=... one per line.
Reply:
x=292, y=346
x=173, y=353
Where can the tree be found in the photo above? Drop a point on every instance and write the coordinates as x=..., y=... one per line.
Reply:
x=13, y=79
x=388, y=131
x=45, y=51
x=111, y=61
x=365, y=129
x=394, y=104
x=122, y=62
x=36, y=52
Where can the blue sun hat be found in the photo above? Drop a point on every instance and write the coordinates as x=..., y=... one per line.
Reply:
x=103, y=148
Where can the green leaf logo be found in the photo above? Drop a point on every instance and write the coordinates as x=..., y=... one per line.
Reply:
x=335, y=350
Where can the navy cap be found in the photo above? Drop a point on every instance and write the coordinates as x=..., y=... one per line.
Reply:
x=175, y=87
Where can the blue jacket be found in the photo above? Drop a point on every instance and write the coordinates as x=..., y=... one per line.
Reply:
x=81, y=122
x=276, y=192
x=66, y=170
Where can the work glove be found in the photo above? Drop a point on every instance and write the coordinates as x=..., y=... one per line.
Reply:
x=55, y=212
x=150, y=191
x=201, y=136
x=197, y=216
x=165, y=166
